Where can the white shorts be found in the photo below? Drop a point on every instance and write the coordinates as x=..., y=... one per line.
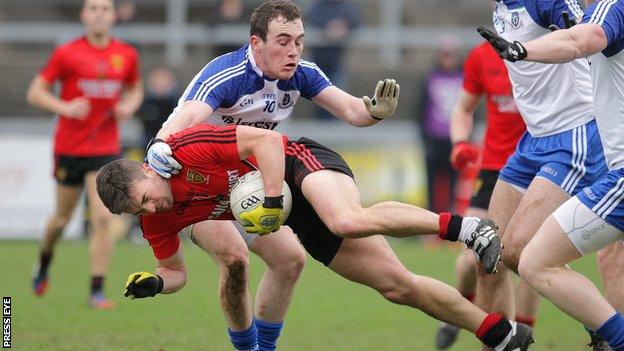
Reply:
x=249, y=238
x=587, y=231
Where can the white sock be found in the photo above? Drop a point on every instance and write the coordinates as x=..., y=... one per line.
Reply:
x=469, y=224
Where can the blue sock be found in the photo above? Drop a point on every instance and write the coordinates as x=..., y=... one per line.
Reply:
x=268, y=334
x=613, y=332
x=246, y=340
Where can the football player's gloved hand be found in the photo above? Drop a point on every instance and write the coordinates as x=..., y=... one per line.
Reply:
x=463, y=154
x=506, y=50
x=264, y=219
x=385, y=99
x=160, y=158
x=567, y=22
x=143, y=284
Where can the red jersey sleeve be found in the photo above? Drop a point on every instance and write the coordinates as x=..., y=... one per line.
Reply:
x=206, y=144
x=134, y=72
x=472, y=81
x=54, y=68
x=162, y=238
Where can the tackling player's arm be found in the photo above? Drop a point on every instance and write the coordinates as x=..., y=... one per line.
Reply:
x=40, y=95
x=190, y=114
x=361, y=112
x=170, y=277
x=159, y=155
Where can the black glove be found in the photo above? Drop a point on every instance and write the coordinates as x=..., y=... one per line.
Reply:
x=143, y=284
x=567, y=22
x=506, y=50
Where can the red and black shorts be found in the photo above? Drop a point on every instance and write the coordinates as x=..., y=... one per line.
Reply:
x=303, y=157
x=484, y=188
x=71, y=170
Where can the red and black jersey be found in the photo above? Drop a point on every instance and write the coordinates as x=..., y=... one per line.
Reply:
x=98, y=74
x=201, y=191
x=485, y=73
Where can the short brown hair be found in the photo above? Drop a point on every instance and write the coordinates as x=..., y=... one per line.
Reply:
x=114, y=181
x=270, y=10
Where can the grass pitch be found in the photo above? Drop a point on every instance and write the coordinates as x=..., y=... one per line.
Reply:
x=327, y=313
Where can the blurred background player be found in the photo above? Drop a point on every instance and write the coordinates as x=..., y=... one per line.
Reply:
x=594, y=218
x=484, y=74
x=100, y=87
x=561, y=152
x=335, y=21
x=439, y=93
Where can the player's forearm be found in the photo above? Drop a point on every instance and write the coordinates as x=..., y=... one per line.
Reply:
x=173, y=279
x=360, y=115
x=566, y=45
x=42, y=98
x=461, y=125
x=134, y=96
x=190, y=114
x=269, y=152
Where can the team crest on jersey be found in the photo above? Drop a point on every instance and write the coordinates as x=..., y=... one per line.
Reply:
x=117, y=61
x=286, y=102
x=515, y=20
x=195, y=177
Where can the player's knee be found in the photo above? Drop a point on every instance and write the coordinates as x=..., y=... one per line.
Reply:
x=400, y=289
x=529, y=270
x=511, y=254
x=60, y=221
x=347, y=225
x=289, y=265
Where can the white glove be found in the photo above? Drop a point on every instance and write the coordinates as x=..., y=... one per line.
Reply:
x=385, y=100
x=160, y=158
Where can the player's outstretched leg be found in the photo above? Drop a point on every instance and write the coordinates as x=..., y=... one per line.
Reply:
x=336, y=199
x=370, y=261
x=466, y=277
x=66, y=199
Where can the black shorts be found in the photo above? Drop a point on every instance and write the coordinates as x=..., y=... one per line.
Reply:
x=71, y=170
x=303, y=157
x=483, y=189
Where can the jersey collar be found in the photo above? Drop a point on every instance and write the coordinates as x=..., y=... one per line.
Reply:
x=252, y=61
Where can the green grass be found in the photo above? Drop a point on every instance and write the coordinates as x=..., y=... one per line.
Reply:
x=327, y=313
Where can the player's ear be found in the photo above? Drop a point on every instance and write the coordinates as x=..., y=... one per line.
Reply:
x=147, y=170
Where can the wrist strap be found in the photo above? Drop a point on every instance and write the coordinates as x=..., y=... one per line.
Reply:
x=273, y=201
x=161, y=284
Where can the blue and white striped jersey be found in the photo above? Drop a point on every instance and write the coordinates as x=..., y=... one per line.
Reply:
x=239, y=93
x=607, y=69
x=551, y=98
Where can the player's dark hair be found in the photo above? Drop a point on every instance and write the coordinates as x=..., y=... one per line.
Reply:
x=270, y=10
x=113, y=184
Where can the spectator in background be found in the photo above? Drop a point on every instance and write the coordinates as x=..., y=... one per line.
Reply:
x=126, y=11
x=230, y=12
x=439, y=93
x=160, y=100
x=335, y=20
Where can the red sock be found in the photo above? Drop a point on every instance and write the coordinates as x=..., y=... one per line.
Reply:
x=445, y=219
x=528, y=320
x=493, y=330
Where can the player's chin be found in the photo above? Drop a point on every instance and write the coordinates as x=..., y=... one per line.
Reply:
x=287, y=72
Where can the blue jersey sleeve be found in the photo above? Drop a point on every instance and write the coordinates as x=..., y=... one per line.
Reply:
x=310, y=79
x=609, y=14
x=547, y=12
x=218, y=83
